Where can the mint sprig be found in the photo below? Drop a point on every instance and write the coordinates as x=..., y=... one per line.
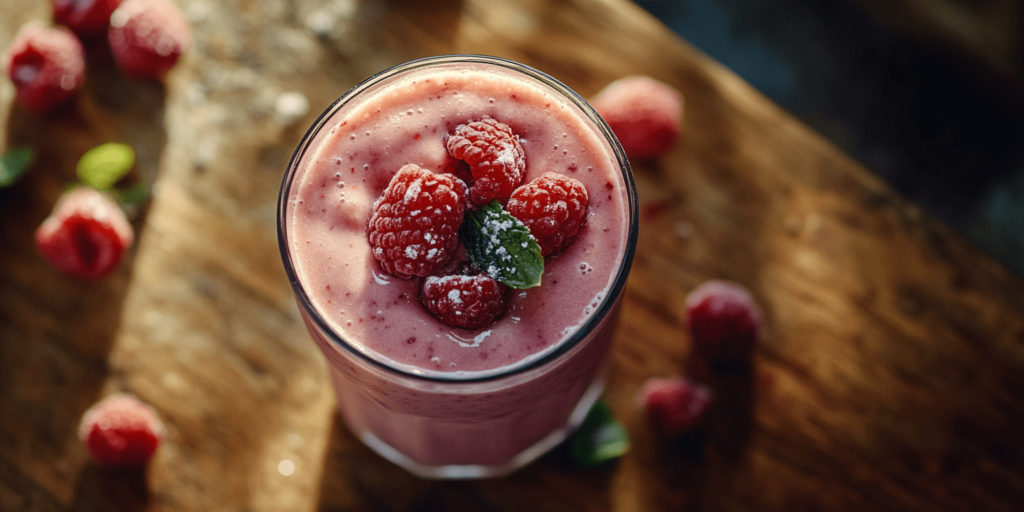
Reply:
x=500, y=245
x=599, y=438
x=102, y=166
x=13, y=164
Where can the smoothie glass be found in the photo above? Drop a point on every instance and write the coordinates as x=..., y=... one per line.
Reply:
x=439, y=424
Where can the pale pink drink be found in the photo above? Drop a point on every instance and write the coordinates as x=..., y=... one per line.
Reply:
x=441, y=401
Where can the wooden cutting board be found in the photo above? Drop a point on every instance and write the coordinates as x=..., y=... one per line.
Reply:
x=890, y=377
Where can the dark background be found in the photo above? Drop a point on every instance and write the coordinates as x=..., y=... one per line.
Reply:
x=926, y=94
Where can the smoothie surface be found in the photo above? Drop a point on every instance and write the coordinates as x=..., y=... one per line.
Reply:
x=406, y=121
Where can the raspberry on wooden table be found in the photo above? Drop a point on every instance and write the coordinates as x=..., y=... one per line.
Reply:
x=121, y=431
x=47, y=66
x=554, y=208
x=414, y=228
x=674, y=404
x=469, y=299
x=147, y=37
x=85, y=17
x=85, y=235
x=495, y=157
x=646, y=115
x=724, y=320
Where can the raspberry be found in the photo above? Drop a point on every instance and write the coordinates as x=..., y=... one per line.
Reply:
x=147, y=37
x=645, y=115
x=674, y=404
x=495, y=157
x=470, y=299
x=84, y=17
x=723, y=319
x=414, y=228
x=85, y=235
x=554, y=208
x=121, y=431
x=47, y=66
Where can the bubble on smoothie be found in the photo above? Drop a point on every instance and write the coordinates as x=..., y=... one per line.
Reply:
x=585, y=268
x=380, y=278
x=590, y=308
x=469, y=342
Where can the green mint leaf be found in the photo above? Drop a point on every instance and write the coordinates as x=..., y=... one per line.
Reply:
x=133, y=195
x=13, y=164
x=599, y=438
x=501, y=245
x=103, y=165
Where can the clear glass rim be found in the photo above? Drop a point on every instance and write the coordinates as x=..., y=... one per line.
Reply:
x=610, y=299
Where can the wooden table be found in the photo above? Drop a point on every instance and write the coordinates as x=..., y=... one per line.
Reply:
x=891, y=375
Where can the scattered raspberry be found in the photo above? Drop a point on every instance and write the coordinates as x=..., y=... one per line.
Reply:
x=85, y=235
x=469, y=300
x=646, y=115
x=724, y=320
x=415, y=224
x=495, y=157
x=674, y=404
x=85, y=17
x=47, y=66
x=121, y=431
x=554, y=208
x=147, y=37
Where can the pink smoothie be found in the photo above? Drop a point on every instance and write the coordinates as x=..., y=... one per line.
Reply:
x=488, y=422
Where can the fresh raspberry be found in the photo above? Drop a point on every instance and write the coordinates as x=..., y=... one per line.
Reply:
x=495, y=157
x=415, y=224
x=147, y=37
x=85, y=235
x=85, y=17
x=645, y=115
x=47, y=66
x=121, y=431
x=674, y=404
x=723, y=319
x=469, y=299
x=554, y=208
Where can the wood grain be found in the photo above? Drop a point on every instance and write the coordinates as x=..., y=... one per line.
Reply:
x=889, y=378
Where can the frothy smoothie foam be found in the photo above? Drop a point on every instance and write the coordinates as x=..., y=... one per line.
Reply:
x=440, y=400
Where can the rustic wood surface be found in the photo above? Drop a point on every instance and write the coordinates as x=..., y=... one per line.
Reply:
x=988, y=35
x=890, y=378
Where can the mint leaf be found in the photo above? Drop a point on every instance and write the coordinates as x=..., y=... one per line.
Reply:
x=501, y=245
x=133, y=195
x=13, y=164
x=599, y=438
x=103, y=165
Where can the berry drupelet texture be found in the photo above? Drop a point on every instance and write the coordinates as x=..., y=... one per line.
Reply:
x=414, y=228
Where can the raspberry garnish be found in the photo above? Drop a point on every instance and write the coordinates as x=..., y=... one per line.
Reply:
x=415, y=224
x=47, y=66
x=85, y=17
x=495, y=157
x=121, y=431
x=723, y=319
x=85, y=235
x=674, y=404
x=554, y=208
x=645, y=114
x=469, y=299
x=147, y=37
